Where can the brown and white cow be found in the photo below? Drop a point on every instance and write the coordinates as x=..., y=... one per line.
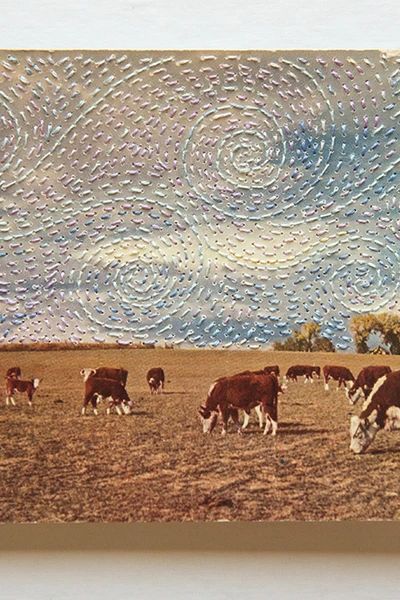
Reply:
x=113, y=391
x=299, y=370
x=120, y=375
x=27, y=387
x=366, y=379
x=14, y=372
x=156, y=378
x=228, y=395
x=342, y=375
x=380, y=411
x=261, y=417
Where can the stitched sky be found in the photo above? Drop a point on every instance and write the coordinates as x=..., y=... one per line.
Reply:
x=203, y=198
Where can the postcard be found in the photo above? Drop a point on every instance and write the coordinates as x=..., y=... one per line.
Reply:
x=199, y=283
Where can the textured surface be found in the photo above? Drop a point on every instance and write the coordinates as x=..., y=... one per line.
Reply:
x=157, y=465
x=206, y=198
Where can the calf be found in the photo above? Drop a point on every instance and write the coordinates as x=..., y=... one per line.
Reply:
x=342, y=375
x=14, y=372
x=120, y=375
x=380, y=411
x=299, y=370
x=228, y=395
x=97, y=389
x=27, y=387
x=155, y=378
x=365, y=381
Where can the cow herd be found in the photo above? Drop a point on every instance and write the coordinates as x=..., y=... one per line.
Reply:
x=229, y=396
x=259, y=390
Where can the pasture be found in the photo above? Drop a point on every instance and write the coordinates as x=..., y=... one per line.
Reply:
x=156, y=465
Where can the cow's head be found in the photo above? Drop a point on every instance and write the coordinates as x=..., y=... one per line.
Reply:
x=354, y=394
x=208, y=419
x=86, y=373
x=36, y=382
x=317, y=371
x=362, y=434
x=127, y=406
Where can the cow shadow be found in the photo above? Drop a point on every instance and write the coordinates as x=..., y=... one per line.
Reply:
x=382, y=451
x=303, y=431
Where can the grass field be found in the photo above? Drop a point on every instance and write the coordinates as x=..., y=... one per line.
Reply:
x=157, y=465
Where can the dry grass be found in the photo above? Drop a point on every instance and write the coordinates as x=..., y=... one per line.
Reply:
x=157, y=465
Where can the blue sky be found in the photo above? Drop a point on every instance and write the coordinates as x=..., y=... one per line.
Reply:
x=209, y=199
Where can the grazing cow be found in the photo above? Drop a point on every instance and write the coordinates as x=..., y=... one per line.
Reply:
x=14, y=372
x=228, y=395
x=281, y=389
x=23, y=387
x=106, y=389
x=156, y=378
x=120, y=375
x=342, y=375
x=299, y=370
x=381, y=410
x=365, y=381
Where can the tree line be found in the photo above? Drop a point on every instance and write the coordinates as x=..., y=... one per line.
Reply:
x=385, y=325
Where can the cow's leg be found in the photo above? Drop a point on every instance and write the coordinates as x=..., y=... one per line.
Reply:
x=86, y=401
x=224, y=419
x=246, y=419
x=235, y=419
x=274, y=426
x=95, y=400
x=7, y=400
x=267, y=424
x=340, y=381
x=12, y=400
x=260, y=415
x=117, y=408
x=305, y=379
x=326, y=385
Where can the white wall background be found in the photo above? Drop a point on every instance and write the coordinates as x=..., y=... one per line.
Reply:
x=215, y=24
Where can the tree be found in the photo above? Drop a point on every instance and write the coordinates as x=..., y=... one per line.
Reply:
x=323, y=344
x=309, y=333
x=361, y=327
x=387, y=325
x=389, y=328
x=306, y=339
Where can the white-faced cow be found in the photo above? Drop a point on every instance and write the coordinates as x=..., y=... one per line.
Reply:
x=27, y=387
x=228, y=395
x=14, y=372
x=261, y=417
x=380, y=411
x=342, y=375
x=299, y=370
x=366, y=379
x=156, y=378
x=120, y=375
x=113, y=391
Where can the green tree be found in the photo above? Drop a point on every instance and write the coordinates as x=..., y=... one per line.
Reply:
x=385, y=324
x=361, y=326
x=306, y=339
